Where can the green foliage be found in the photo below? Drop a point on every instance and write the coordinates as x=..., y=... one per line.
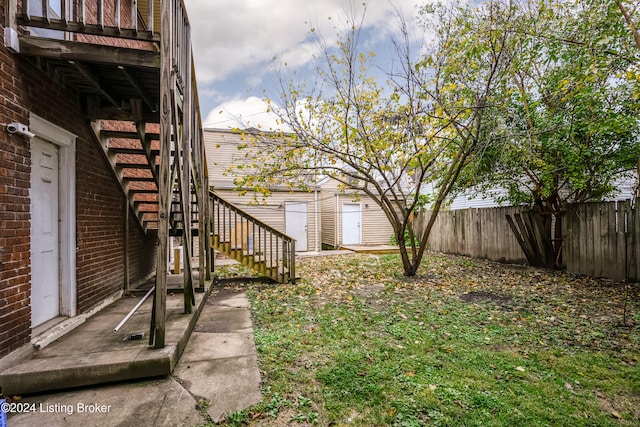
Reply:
x=407, y=239
x=387, y=139
x=237, y=419
x=567, y=124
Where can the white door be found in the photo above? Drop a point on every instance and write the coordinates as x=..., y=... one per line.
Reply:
x=295, y=221
x=45, y=272
x=351, y=220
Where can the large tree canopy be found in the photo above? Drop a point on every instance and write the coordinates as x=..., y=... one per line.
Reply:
x=538, y=97
x=387, y=139
x=567, y=127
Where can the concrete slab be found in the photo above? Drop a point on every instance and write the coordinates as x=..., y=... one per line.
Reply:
x=227, y=384
x=55, y=373
x=204, y=346
x=149, y=403
x=225, y=319
x=93, y=354
x=218, y=366
x=233, y=302
x=323, y=253
x=372, y=249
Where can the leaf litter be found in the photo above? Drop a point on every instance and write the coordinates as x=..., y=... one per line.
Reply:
x=510, y=309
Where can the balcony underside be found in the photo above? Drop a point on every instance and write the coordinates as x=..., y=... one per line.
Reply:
x=112, y=83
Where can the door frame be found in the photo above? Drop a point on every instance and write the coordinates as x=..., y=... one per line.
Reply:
x=360, y=221
x=306, y=222
x=66, y=142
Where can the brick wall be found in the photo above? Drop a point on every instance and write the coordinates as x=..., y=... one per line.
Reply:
x=100, y=222
x=99, y=203
x=15, y=271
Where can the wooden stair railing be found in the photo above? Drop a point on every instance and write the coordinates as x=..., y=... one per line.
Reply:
x=251, y=242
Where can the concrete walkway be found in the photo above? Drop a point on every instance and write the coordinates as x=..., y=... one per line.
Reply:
x=218, y=367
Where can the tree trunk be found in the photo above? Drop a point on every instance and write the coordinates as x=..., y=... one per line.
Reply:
x=533, y=233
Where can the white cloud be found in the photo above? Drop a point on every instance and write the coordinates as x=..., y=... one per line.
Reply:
x=239, y=44
x=232, y=35
x=242, y=113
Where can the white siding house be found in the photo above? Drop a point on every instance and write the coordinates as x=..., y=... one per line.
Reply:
x=293, y=212
x=351, y=219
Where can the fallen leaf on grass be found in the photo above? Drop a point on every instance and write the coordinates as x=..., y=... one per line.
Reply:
x=615, y=414
x=520, y=368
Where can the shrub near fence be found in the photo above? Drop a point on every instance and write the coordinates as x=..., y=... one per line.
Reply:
x=599, y=239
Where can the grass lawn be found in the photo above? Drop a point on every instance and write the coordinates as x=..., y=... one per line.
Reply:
x=465, y=343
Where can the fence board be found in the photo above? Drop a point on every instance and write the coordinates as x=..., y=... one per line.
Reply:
x=599, y=239
x=608, y=220
x=634, y=250
x=481, y=233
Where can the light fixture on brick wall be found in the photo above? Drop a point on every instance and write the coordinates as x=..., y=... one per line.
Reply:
x=20, y=129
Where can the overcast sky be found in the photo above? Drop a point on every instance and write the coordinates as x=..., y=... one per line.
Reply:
x=237, y=43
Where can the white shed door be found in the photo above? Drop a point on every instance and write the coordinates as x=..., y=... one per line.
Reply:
x=45, y=274
x=296, y=223
x=351, y=220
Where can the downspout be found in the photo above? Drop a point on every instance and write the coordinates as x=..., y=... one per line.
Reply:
x=338, y=218
x=315, y=216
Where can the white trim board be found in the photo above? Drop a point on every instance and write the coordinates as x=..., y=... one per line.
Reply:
x=66, y=141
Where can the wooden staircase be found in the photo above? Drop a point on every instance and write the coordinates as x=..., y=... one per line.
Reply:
x=130, y=65
x=251, y=242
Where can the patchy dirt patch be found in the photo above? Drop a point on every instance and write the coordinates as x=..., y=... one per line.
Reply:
x=475, y=297
x=628, y=404
x=503, y=302
x=368, y=291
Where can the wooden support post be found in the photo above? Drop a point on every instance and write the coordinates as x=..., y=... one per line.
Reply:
x=164, y=179
x=188, y=135
x=127, y=267
x=185, y=202
x=134, y=15
x=212, y=227
x=292, y=267
x=203, y=235
x=101, y=14
x=116, y=17
x=10, y=10
x=150, y=23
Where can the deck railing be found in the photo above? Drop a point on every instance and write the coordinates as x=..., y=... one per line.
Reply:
x=113, y=18
x=252, y=242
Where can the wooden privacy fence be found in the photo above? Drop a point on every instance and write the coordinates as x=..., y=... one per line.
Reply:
x=599, y=239
x=480, y=233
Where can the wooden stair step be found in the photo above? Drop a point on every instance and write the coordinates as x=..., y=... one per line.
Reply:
x=139, y=179
x=132, y=165
x=126, y=150
x=118, y=134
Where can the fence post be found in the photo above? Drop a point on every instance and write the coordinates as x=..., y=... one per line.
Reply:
x=292, y=269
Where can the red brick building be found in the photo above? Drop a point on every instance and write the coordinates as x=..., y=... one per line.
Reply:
x=81, y=143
